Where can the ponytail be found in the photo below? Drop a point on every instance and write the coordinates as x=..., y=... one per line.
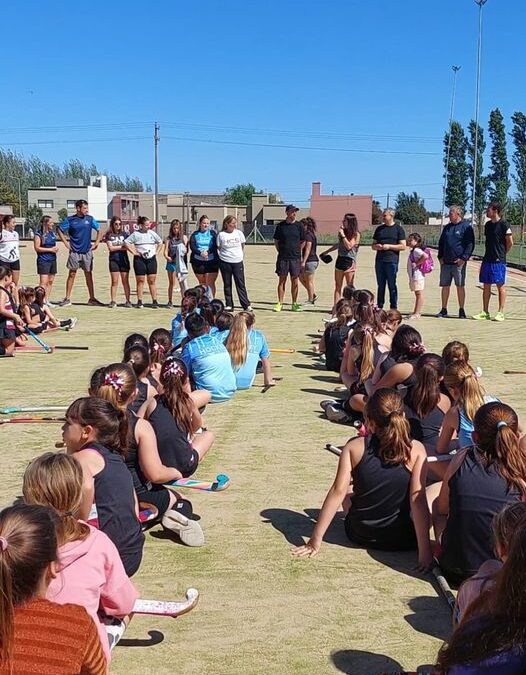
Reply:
x=367, y=366
x=385, y=409
x=237, y=341
x=461, y=376
x=118, y=385
x=173, y=377
x=110, y=423
x=429, y=369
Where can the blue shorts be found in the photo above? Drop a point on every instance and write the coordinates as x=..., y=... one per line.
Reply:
x=493, y=273
x=171, y=267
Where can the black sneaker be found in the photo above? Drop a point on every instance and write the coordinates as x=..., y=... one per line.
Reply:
x=462, y=313
x=139, y=304
x=442, y=314
x=155, y=304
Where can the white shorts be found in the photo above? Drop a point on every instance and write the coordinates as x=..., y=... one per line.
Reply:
x=417, y=284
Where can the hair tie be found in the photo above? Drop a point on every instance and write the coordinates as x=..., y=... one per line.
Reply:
x=501, y=425
x=114, y=380
x=67, y=514
x=174, y=368
x=158, y=347
x=3, y=543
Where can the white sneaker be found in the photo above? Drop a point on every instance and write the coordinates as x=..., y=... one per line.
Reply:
x=189, y=531
x=74, y=322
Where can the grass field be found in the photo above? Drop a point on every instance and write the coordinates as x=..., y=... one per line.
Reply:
x=261, y=611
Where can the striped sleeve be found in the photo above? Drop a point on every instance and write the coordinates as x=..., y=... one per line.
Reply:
x=94, y=662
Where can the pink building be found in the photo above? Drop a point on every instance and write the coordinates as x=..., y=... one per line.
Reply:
x=328, y=210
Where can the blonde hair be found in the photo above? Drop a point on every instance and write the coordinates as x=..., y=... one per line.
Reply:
x=237, y=341
x=119, y=383
x=461, y=376
x=227, y=221
x=363, y=336
x=55, y=480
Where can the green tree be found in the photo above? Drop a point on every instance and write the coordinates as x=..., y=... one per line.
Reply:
x=499, y=179
x=410, y=209
x=34, y=216
x=240, y=194
x=7, y=196
x=376, y=217
x=518, y=133
x=62, y=214
x=482, y=181
x=457, y=167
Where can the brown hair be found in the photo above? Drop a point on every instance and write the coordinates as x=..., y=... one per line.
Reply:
x=226, y=221
x=111, y=227
x=28, y=545
x=55, y=480
x=309, y=224
x=175, y=222
x=425, y=396
x=461, y=376
x=110, y=423
x=224, y=321
x=203, y=217
x=364, y=307
x=496, y=426
x=350, y=225
x=138, y=357
x=385, y=409
x=455, y=351
x=393, y=315
x=7, y=219
x=45, y=220
x=160, y=343
x=505, y=523
x=173, y=377
x=119, y=383
x=237, y=342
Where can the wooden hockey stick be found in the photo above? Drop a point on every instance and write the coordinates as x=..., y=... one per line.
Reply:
x=32, y=420
x=167, y=608
x=515, y=372
x=277, y=350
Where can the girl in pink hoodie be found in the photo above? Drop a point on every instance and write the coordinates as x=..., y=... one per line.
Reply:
x=90, y=571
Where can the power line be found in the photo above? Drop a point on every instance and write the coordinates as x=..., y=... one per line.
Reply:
x=78, y=140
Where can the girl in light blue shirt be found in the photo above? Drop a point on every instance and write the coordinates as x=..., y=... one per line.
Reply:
x=247, y=346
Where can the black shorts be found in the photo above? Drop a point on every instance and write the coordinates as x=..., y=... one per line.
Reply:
x=205, y=266
x=46, y=267
x=344, y=264
x=14, y=266
x=7, y=333
x=286, y=267
x=144, y=266
x=122, y=265
x=158, y=496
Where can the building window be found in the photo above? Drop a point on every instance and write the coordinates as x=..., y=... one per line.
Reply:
x=70, y=203
x=270, y=222
x=45, y=203
x=213, y=224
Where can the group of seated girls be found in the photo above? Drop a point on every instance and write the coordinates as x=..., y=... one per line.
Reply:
x=222, y=352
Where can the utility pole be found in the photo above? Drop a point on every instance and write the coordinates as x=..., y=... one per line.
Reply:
x=451, y=114
x=156, y=172
x=481, y=4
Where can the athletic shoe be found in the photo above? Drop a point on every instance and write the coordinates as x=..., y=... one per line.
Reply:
x=170, y=305
x=499, y=316
x=65, y=303
x=314, y=299
x=277, y=307
x=112, y=304
x=139, y=304
x=50, y=304
x=73, y=323
x=412, y=317
x=335, y=413
x=189, y=531
x=340, y=387
x=128, y=304
x=249, y=309
x=296, y=307
x=230, y=309
x=93, y=302
x=155, y=304
x=462, y=314
x=327, y=402
x=482, y=316
x=442, y=314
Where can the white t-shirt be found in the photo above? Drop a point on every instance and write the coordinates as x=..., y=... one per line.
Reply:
x=414, y=256
x=229, y=246
x=145, y=242
x=9, y=246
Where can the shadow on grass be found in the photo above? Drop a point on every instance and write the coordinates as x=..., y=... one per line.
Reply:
x=431, y=616
x=296, y=526
x=328, y=393
x=156, y=637
x=357, y=662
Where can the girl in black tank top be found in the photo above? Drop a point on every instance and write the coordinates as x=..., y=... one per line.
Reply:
x=138, y=357
x=397, y=370
x=388, y=473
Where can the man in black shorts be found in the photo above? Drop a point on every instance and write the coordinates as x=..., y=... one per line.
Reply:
x=288, y=240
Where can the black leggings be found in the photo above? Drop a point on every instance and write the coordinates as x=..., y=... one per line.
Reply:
x=236, y=270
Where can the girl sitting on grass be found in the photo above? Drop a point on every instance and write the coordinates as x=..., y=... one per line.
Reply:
x=387, y=507
x=89, y=571
x=139, y=359
x=179, y=332
x=41, y=307
x=247, y=347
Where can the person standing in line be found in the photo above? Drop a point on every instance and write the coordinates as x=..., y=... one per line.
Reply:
x=388, y=241
x=348, y=243
x=204, y=260
x=288, y=240
x=309, y=259
x=144, y=245
x=231, y=250
x=10, y=250
x=499, y=241
x=175, y=251
x=46, y=248
x=80, y=249
x=455, y=248
x=119, y=263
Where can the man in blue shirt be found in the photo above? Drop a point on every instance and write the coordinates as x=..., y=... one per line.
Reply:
x=81, y=248
x=207, y=360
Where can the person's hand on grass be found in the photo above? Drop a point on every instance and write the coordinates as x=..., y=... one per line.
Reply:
x=308, y=550
x=425, y=562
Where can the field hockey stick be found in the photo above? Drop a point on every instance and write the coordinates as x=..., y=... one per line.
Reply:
x=44, y=346
x=334, y=449
x=515, y=372
x=31, y=420
x=30, y=409
x=221, y=482
x=167, y=607
x=277, y=350
x=444, y=587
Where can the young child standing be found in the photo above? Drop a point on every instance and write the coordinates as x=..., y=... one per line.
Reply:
x=416, y=261
x=9, y=320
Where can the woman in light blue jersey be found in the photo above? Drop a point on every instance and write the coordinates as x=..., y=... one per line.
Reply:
x=204, y=258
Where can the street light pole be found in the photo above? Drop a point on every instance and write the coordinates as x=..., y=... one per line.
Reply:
x=451, y=113
x=481, y=4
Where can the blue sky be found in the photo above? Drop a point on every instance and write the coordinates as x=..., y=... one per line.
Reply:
x=346, y=75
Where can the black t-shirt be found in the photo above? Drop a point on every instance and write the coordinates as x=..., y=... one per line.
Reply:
x=388, y=234
x=495, y=234
x=310, y=236
x=289, y=237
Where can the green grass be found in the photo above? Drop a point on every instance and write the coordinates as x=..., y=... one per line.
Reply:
x=261, y=611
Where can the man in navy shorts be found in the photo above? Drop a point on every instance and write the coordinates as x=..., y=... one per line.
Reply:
x=499, y=241
x=288, y=240
x=80, y=248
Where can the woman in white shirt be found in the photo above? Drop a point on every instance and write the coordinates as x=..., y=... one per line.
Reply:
x=144, y=244
x=10, y=250
x=231, y=248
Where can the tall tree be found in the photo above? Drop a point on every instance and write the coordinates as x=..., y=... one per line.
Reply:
x=499, y=178
x=481, y=185
x=457, y=167
x=518, y=134
x=376, y=216
x=410, y=209
x=240, y=194
x=7, y=196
